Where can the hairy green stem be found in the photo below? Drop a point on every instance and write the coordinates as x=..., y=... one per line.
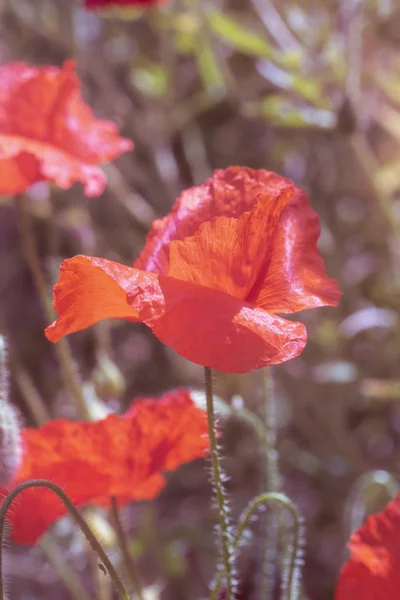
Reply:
x=226, y=546
x=291, y=577
x=62, y=349
x=270, y=523
x=129, y=563
x=80, y=521
x=273, y=478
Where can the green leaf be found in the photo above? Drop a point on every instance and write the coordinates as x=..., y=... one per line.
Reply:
x=184, y=42
x=209, y=69
x=239, y=37
x=308, y=88
x=150, y=78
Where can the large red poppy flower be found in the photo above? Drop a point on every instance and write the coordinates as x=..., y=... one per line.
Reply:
x=48, y=133
x=124, y=457
x=373, y=569
x=213, y=274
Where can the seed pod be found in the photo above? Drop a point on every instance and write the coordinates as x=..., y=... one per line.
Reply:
x=107, y=378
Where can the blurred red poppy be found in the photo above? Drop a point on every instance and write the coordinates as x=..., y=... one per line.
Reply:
x=124, y=457
x=213, y=274
x=48, y=133
x=373, y=570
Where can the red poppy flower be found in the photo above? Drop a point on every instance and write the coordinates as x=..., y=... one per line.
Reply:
x=213, y=274
x=124, y=457
x=47, y=132
x=373, y=569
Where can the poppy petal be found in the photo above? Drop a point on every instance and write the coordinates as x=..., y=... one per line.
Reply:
x=227, y=253
x=43, y=116
x=18, y=172
x=373, y=569
x=296, y=277
x=179, y=414
x=124, y=457
x=228, y=192
x=211, y=328
x=89, y=290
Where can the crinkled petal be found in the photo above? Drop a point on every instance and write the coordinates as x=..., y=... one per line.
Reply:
x=228, y=253
x=228, y=192
x=89, y=290
x=42, y=115
x=211, y=328
x=124, y=457
x=296, y=277
x=179, y=415
x=373, y=570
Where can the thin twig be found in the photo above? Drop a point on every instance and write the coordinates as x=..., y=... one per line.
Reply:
x=276, y=26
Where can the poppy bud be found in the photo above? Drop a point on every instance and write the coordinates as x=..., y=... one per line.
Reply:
x=10, y=431
x=97, y=408
x=101, y=527
x=107, y=378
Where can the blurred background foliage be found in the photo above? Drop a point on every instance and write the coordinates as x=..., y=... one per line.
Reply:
x=307, y=88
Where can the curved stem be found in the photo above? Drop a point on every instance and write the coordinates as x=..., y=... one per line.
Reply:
x=62, y=349
x=255, y=422
x=129, y=563
x=80, y=521
x=292, y=584
x=226, y=546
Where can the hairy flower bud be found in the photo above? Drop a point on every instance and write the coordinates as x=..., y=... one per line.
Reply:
x=10, y=431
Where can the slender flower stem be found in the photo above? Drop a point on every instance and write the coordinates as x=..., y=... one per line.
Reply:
x=226, y=546
x=80, y=521
x=295, y=549
x=64, y=571
x=273, y=478
x=29, y=392
x=104, y=590
x=62, y=349
x=270, y=523
x=129, y=563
